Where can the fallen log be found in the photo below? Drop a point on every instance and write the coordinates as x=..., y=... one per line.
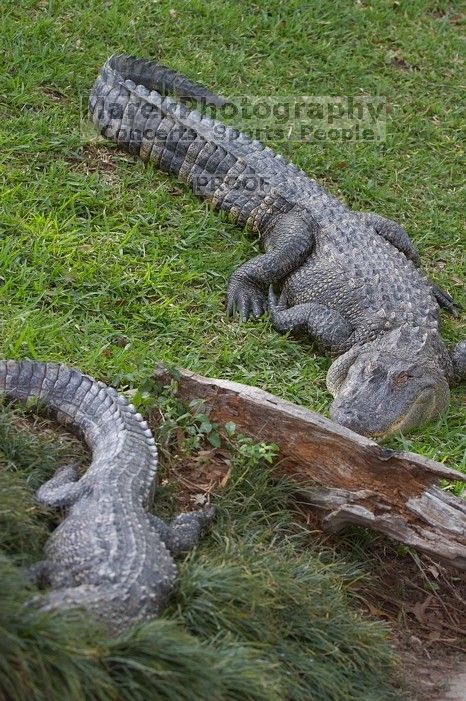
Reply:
x=350, y=479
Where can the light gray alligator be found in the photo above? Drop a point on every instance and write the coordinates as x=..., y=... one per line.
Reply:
x=109, y=556
x=351, y=280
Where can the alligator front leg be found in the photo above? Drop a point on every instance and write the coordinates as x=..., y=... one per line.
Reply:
x=62, y=490
x=184, y=531
x=397, y=236
x=325, y=326
x=394, y=234
x=291, y=241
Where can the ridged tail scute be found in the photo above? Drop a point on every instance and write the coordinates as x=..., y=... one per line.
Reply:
x=164, y=80
x=74, y=398
x=127, y=105
x=107, y=422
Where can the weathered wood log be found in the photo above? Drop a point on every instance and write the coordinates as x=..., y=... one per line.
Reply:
x=347, y=477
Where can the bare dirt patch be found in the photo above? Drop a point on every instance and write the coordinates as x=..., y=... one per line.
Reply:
x=454, y=18
x=424, y=605
x=54, y=93
x=98, y=158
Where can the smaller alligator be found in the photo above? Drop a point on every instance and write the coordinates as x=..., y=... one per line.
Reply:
x=351, y=280
x=109, y=556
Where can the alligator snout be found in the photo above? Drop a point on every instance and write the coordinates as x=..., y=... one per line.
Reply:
x=351, y=418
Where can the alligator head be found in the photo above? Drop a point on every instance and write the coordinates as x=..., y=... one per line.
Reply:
x=394, y=383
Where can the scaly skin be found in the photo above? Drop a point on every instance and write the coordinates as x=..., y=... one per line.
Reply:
x=351, y=280
x=109, y=555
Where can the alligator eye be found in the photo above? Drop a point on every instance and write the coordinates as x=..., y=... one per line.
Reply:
x=369, y=369
x=401, y=379
x=373, y=370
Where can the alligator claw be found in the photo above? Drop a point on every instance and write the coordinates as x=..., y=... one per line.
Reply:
x=247, y=300
x=274, y=300
x=446, y=301
x=277, y=302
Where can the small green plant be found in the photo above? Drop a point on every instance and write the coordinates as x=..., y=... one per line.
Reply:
x=256, y=452
x=187, y=425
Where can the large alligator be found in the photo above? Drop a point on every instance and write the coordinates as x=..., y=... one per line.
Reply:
x=351, y=280
x=109, y=556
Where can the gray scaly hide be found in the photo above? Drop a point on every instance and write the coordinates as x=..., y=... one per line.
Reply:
x=109, y=556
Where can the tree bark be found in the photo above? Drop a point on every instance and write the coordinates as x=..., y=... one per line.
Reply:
x=347, y=477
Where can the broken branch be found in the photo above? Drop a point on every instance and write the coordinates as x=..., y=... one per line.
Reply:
x=350, y=479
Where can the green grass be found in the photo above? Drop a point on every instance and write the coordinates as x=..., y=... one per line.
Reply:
x=257, y=616
x=111, y=266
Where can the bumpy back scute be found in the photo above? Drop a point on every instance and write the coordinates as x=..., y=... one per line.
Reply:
x=106, y=420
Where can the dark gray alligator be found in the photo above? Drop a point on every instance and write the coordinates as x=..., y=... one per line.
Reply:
x=351, y=280
x=109, y=555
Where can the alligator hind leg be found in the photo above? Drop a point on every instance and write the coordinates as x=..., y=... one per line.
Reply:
x=393, y=233
x=184, y=531
x=291, y=241
x=325, y=326
x=62, y=490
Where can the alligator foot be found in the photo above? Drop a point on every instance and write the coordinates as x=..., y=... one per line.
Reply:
x=184, y=531
x=445, y=300
x=324, y=325
x=293, y=243
x=62, y=489
x=245, y=297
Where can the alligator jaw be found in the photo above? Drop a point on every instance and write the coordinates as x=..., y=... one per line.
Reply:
x=426, y=406
x=409, y=420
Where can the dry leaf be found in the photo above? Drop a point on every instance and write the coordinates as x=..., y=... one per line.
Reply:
x=419, y=609
x=225, y=479
x=199, y=499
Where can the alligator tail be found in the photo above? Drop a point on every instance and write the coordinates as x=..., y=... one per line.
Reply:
x=115, y=433
x=162, y=79
x=234, y=172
